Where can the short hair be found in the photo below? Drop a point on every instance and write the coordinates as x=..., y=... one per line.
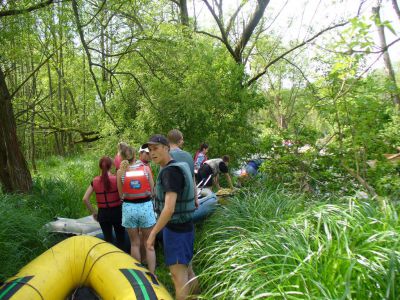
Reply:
x=174, y=136
x=225, y=158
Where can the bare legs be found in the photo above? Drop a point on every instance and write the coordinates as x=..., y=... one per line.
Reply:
x=180, y=277
x=194, y=286
x=135, y=242
x=134, y=236
x=185, y=281
x=150, y=254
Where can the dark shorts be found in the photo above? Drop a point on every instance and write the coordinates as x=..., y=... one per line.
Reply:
x=178, y=247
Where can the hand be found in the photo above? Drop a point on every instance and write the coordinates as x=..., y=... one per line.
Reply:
x=94, y=216
x=196, y=201
x=150, y=242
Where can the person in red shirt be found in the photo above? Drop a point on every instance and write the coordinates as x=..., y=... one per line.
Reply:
x=118, y=158
x=109, y=212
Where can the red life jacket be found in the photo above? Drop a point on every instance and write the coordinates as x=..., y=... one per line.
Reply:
x=106, y=199
x=136, y=183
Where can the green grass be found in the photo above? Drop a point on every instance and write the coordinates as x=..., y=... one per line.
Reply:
x=58, y=189
x=270, y=244
x=261, y=244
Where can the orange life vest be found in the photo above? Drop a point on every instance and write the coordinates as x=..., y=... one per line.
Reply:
x=136, y=183
x=106, y=199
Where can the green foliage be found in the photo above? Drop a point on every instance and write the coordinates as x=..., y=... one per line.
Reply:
x=351, y=122
x=202, y=96
x=385, y=177
x=390, y=132
x=272, y=244
x=310, y=171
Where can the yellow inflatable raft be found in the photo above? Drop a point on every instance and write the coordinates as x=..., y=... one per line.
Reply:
x=83, y=261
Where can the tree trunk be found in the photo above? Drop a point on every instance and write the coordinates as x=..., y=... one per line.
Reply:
x=14, y=172
x=60, y=87
x=184, y=12
x=386, y=57
x=33, y=146
x=33, y=95
x=396, y=8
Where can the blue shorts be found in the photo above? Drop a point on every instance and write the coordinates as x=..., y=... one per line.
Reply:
x=138, y=215
x=178, y=247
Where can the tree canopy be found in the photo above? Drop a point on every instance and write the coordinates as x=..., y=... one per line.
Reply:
x=80, y=73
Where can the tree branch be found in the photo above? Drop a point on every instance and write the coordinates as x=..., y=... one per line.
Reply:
x=351, y=51
x=248, y=31
x=95, y=15
x=33, y=72
x=361, y=180
x=140, y=85
x=396, y=8
x=13, y=12
x=82, y=38
x=233, y=17
x=211, y=35
x=30, y=106
x=256, y=77
x=86, y=136
x=224, y=36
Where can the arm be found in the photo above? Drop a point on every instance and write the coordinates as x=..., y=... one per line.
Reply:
x=165, y=216
x=86, y=200
x=228, y=178
x=119, y=182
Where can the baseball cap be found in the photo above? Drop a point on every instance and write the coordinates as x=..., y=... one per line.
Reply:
x=144, y=149
x=156, y=139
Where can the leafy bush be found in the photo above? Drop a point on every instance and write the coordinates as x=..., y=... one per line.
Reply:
x=309, y=171
x=385, y=177
x=390, y=132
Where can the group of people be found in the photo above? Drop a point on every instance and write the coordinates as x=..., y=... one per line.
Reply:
x=134, y=201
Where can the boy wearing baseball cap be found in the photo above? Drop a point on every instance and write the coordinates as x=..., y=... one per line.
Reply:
x=175, y=203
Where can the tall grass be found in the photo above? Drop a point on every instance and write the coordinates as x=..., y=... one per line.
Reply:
x=60, y=184
x=270, y=244
x=57, y=192
x=262, y=244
